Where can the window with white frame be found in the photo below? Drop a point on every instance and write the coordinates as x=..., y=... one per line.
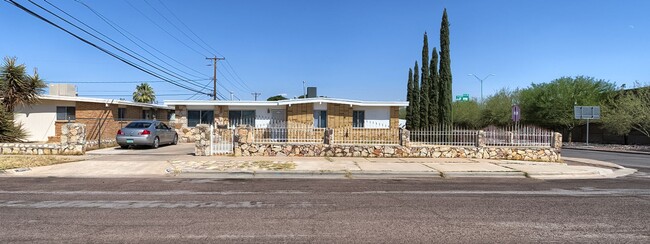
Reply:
x=358, y=118
x=195, y=117
x=320, y=118
x=239, y=117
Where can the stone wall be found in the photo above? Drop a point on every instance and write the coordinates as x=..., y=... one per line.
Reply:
x=72, y=142
x=244, y=146
x=391, y=151
x=202, y=137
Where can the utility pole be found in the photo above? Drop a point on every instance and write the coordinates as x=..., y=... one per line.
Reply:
x=304, y=90
x=256, y=94
x=214, y=77
x=231, y=96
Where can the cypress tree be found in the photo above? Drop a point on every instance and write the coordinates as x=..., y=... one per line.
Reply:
x=434, y=85
x=416, y=98
x=426, y=86
x=409, y=98
x=445, y=73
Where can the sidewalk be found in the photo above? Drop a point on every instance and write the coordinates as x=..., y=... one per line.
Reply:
x=115, y=163
x=357, y=168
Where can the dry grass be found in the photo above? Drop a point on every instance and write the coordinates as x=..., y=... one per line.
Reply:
x=28, y=161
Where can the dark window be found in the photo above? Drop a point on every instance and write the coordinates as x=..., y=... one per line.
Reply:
x=195, y=117
x=170, y=114
x=358, y=117
x=65, y=113
x=138, y=125
x=146, y=114
x=320, y=118
x=238, y=117
x=121, y=113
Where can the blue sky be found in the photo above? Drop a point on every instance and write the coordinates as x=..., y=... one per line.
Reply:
x=348, y=49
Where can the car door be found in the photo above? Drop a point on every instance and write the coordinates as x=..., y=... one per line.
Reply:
x=161, y=133
x=169, y=132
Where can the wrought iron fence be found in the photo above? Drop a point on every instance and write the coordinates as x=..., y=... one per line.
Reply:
x=515, y=136
x=444, y=135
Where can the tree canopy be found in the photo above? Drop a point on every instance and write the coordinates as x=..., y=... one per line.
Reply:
x=18, y=89
x=276, y=98
x=144, y=93
x=628, y=110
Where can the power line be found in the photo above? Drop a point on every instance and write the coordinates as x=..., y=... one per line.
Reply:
x=117, y=28
x=163, y=29
x=154, y=65
x=130, y=63
x=118, y=82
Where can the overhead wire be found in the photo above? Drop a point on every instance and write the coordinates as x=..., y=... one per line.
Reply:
x=121, y=30
x=154, y=65
x=122, y=59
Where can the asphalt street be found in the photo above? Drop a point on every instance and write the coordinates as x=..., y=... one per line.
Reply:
x=172, y=210
x=630, y=160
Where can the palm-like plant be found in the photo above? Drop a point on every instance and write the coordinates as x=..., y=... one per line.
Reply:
x=144, y=94
x=17, y=87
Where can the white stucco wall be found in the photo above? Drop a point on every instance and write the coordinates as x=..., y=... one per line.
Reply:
x=375, y=117
x=38, y=120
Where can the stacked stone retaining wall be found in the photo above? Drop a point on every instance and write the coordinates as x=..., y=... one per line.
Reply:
x=73, y=142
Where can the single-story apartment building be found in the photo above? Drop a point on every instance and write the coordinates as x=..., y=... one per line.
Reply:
x=317, y=112
x=102, y=117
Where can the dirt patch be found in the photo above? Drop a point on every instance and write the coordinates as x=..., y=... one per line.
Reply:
x=28, y=161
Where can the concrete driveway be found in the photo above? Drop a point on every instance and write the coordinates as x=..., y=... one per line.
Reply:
x=117, y=162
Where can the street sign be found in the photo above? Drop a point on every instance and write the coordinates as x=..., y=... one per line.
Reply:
x=586, y=112
x=464, y=97
x=516, y=113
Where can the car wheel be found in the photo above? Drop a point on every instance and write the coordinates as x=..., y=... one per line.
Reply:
x=156, y=143
x=124, y=146
x=175, y=141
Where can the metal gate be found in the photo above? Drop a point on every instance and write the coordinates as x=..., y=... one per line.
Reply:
x=222, y=140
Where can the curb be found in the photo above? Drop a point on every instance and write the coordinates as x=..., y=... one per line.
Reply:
x=606, y=150
x=348, y=174
x=617, y=170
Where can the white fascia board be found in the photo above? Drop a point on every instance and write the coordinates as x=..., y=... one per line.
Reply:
x=100, y=100
x=287, y=102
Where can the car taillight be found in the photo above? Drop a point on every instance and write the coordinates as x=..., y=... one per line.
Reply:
x=145, y=132
x=119, y=132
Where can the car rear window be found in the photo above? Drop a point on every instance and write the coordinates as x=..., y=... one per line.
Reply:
x=139, y=125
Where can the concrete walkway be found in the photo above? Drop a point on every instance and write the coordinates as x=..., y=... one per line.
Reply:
x=176, y=161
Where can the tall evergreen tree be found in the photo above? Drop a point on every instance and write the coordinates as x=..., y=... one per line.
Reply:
x=415, y=103
x=434, y=88
x=409, y=98
x=426, y=86
x=445, y=73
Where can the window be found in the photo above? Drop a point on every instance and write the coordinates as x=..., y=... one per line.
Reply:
x=65, y=113
x=238, y=117
x=121, y=113
x=146, y=114
x=195, y=117
x=358, y=117
x=138, y=125
x=320, y=119
x=171, y=115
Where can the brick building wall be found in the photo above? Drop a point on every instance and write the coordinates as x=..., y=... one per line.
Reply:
x=339, y=115
x=301, y=113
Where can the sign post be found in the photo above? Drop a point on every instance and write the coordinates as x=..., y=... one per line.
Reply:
x=516, y=113
x=588, y=113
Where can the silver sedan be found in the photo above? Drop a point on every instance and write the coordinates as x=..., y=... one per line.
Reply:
x=146, y=133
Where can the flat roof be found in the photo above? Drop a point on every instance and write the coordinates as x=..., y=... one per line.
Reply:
x=288, y=102
x=102, y=100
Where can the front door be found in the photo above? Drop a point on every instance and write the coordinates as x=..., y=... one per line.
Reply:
x=278, y=125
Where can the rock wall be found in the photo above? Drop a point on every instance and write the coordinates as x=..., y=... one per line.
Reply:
x=73, y=142
x=389, y=151
x=245, y=146
x=202, y=137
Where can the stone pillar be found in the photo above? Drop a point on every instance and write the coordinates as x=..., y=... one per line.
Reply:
x=73, y=138
x=404, y=137
x=202, y=138
x=480, y=139
x=557, y=140
x=327, y=136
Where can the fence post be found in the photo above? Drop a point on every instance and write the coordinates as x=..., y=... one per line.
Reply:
x=327, y=137
x=556, y=140
x=480, y=139
x=404, y=137
x=211, y=139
